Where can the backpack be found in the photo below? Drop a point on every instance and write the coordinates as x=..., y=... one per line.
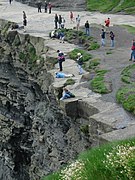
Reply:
x=61, y=56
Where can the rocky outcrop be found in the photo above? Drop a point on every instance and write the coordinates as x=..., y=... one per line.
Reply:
x=36, y=136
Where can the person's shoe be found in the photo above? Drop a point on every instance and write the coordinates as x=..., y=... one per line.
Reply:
x=134, y=61
x=130, y=59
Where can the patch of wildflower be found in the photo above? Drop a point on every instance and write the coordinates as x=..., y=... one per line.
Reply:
x=121, y=161
x=74, y=171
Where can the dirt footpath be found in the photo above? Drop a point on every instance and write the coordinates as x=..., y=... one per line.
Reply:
x=117, y=59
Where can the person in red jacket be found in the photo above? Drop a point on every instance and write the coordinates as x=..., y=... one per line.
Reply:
x=50, y=8
x=107, y=22
x=132, y=51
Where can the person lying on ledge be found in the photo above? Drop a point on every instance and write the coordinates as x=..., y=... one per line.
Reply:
x=66, y=94
x=63, y=75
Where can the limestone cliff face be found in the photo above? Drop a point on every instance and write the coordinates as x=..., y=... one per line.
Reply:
x=61, y=4
x=36, y=137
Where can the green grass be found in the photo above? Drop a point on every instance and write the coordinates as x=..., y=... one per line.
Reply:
x=94, y=167
x=93, y=46
x=126, y=96
x=127, y=74
x=101, y=5
x=127, y=6
x=69, y=82
x=86, y=56
x=129, y=28
x=97, y=83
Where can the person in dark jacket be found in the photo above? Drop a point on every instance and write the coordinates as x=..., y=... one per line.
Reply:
x=45, y=7
x=80, y=63
x=61, y=58
x=87, y=28
x=112, y=38
x=39, y=5
x=103, y=33
x=60, y=21
x=56, y=21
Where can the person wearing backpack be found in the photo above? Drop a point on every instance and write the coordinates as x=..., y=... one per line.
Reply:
x=61, y=58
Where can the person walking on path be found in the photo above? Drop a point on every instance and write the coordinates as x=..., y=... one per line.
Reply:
x=50, y=8
x=78, y=22
x=132, y=51
x=71, y=17
x=45, y=7
x=24, y=20
x=66, y=94
x=61, y=58
x=80, y=63
x=56, y=21
x=87, y=28
x=112, y=38
x=39, y=5
x=103, y=37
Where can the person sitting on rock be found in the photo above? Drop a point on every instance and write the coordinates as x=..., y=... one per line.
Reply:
x=63, y=75
x=53, y=34
x=66, y=94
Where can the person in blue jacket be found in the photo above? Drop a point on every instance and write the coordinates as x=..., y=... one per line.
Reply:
x=66, y=94
x=62, y=75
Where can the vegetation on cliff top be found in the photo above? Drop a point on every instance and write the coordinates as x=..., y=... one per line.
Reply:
x=113, y=6
x=111, y=161
x=126, y=94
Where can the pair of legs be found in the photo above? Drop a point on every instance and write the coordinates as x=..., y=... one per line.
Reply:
x=87, y=31
x=132, y=55
x=103, y=42
x=80, y=69
x=65, y=96
x=112, y=43
x=60, y=65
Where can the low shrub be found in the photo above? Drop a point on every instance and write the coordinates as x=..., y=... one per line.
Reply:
x=97, y=83
x=86, y=56
x=69, y=82
x=126, y=96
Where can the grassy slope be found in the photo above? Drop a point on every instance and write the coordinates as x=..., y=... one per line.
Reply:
x=127, y=6
x=94, y=167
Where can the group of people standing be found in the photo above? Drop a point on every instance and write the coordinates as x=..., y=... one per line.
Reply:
x=59, y=21
x=105, y=31
x=47, y=6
